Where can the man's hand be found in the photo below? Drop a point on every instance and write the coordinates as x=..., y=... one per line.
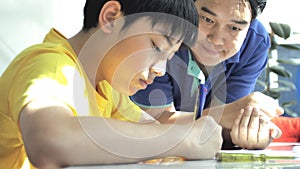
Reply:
x=252, y=129
x=265, y=103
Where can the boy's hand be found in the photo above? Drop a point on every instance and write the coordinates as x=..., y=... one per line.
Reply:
x=202, y=139
x=253, y=130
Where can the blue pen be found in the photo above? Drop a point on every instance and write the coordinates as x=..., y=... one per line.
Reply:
x=201, y=97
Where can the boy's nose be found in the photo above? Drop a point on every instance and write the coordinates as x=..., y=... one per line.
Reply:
x=159, y=69
x=157, y=72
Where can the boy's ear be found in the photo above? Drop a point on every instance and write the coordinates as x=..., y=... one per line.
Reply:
x=110, y=11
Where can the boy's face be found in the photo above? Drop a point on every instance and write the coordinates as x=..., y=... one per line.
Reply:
x=134, y=62
x=223, y=26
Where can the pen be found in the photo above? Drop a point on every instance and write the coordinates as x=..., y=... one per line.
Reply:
x=200, y=97
x=281, y=156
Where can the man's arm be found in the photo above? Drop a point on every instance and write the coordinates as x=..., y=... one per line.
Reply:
x=230, y=118
x=225, y=114
x=54, y=137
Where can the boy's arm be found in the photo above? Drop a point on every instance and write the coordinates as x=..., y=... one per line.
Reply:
x=54, y=137
x=162, y=115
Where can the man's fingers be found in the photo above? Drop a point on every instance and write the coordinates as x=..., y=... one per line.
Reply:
x=266, y=104
x=279, y=110
x=264, y=132
x=271, y=110
x=253, y=127
x=243, y=132
x=236, y=127
x=275, y=131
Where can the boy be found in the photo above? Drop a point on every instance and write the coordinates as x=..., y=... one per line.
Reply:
x=64, y=102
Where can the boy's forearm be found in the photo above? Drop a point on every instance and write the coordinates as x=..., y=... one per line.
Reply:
x=220, y=114
x=133, y=142
x=112, y=141
x=53, y=136
x=176, y=117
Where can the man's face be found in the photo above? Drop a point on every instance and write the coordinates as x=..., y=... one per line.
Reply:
x=223, y=26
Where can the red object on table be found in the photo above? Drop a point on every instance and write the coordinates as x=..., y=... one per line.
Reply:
x=290, y=128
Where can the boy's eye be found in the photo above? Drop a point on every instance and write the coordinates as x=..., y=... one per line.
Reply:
x=170, y=55
x=155, y=47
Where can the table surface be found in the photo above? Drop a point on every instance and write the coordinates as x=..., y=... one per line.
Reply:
x=205, y=164
x=213, y=164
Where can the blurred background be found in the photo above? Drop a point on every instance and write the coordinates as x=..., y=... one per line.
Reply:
x=25, y=22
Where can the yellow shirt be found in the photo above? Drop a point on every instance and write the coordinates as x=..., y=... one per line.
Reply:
x=50, y=70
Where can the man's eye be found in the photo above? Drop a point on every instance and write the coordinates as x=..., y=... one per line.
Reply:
x=235, y=28
x=155, y=47
x=207, y=19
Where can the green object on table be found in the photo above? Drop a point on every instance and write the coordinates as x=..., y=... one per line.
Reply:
x=282, y=153
x=250, y=157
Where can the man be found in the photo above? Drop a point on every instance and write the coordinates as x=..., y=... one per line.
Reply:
x=231, y=51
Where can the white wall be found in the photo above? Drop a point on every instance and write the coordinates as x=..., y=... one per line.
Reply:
x=25, y=22
x=283, y=11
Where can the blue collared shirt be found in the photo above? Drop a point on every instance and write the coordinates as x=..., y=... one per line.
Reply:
x=229, y=80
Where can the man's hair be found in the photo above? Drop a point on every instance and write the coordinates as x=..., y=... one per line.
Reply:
x=184, y=9
x=257, y=7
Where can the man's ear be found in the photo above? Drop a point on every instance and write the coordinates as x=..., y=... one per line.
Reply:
x=110, y=11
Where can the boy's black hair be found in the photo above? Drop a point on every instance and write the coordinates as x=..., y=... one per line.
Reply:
x=257, y=7
x=184, y=9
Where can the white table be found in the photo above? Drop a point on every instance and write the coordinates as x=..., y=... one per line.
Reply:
x=203, y=164
x=213, y=164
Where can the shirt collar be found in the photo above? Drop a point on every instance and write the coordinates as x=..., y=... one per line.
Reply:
x=235, y=58
x=194, y=70
x=54, y=36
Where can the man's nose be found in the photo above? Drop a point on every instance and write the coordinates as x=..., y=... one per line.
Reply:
x=216, y=36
